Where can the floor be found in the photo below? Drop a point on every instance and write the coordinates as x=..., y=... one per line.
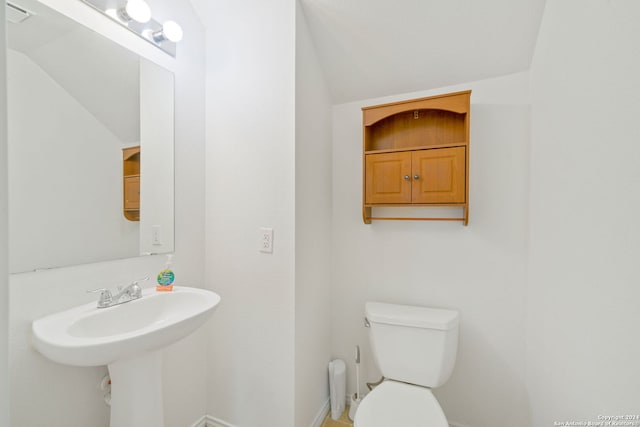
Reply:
x=343, y=421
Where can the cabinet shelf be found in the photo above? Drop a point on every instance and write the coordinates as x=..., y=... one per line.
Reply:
x=392, y=205
x=416, y=154
x=420, y=147
x=401, y=218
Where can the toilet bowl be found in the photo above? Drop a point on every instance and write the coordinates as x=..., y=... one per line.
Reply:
x=415, y=349
x=394, y=403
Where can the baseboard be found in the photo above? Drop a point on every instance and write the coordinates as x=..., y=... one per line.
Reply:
x=202, y=422
x=209, y=421
x=322, y=413
x=216, y=422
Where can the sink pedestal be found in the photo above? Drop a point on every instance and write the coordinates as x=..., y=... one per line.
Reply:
x=136, y=391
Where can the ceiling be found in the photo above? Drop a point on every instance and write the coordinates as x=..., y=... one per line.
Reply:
x=373, y=48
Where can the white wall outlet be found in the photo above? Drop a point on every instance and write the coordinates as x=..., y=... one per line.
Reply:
x=155, y=235
x=266, y=240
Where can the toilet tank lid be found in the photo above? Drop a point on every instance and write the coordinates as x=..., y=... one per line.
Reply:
x=408, y=315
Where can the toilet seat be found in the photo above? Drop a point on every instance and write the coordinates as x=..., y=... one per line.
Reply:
x=394, y=403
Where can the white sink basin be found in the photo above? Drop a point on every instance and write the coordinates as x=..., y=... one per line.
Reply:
x=90, y=336
x=127, y=338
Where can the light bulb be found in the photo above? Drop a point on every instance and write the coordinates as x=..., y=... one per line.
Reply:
x=172, y=31
x=138, y=10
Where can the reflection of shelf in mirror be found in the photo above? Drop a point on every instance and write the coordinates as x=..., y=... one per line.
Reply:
x=131, y=183
x=132, y=215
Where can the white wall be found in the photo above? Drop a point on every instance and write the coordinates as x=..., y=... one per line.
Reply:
x=478, y=270
x=582, y=303
x=4, y=273
x=49, y=131
x=185, y=364
x=250, y=184
x=313, y=230
x=36, y=294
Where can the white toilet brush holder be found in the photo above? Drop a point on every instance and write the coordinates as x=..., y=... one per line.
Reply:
x=337, y=387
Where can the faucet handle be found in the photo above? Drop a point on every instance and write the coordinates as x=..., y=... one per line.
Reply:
x=103, y=291
x=134, y=288
x=144, y=279
x=105, y=296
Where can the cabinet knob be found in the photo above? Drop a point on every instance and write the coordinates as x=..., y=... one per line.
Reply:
x=407, y=177
x=416, y=176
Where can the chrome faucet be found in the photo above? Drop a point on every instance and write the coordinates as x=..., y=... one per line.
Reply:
x=125, y=294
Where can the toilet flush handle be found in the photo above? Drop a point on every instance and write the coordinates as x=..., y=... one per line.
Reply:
x=366, y=323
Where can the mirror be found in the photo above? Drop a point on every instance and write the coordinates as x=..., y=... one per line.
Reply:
x=77, y=104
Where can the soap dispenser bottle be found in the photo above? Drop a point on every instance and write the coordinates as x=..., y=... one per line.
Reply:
x=166, y=276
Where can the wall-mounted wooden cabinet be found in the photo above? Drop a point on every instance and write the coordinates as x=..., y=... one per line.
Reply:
x=131, y=183
x=416, y=153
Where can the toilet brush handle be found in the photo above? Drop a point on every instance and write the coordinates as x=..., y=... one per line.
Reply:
x=357, y=372
x=357, y=381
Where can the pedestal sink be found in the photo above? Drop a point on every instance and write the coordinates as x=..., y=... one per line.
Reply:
x=127, y=338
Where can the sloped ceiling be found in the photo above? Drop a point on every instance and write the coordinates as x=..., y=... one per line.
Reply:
x=101, y=75
x=373, y=48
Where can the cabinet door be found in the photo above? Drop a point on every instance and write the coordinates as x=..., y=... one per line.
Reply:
x=438, y=175
x=387, y=178
x=132, y=192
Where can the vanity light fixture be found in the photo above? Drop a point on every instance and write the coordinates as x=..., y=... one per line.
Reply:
x=137, y=10
x=135, y=15
x=170, y=31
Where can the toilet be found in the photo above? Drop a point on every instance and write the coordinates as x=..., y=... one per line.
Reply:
x=415, y=349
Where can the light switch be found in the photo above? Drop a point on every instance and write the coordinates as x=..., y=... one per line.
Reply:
x=155, y=235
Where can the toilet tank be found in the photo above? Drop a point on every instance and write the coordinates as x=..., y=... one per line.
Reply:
x=416, y=345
